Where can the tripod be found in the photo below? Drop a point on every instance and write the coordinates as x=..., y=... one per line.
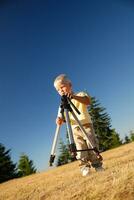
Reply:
x=65, y=106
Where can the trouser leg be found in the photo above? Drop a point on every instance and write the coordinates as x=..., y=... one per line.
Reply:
x=82, y=156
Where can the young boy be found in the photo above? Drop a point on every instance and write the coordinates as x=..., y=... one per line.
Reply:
x=81, y=100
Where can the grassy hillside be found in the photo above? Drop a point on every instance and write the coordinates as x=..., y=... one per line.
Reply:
x=66, y=182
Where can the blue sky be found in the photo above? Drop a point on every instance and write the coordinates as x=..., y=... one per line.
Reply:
x=90, y=41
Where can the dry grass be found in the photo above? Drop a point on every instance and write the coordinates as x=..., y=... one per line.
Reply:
x=66, y=182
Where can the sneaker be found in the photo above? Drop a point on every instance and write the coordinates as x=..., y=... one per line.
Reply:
x=99, y=169
x=85, y=171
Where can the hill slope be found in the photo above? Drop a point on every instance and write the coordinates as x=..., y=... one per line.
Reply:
x=66, y=182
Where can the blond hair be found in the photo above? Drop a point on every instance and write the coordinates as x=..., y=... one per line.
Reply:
x=62, y=79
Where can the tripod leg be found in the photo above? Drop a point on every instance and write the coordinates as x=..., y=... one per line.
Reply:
x=52, y=157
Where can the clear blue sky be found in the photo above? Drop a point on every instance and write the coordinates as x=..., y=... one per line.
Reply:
x=91, y=41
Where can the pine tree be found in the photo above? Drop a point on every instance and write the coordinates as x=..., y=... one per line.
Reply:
x=132, y=135
x=64, y=154
x=108, y=138
x=25, y=166
x=7, y=168
x=115, y=141
x=127, y=140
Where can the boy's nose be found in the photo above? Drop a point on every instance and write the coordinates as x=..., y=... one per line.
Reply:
x=62, y=90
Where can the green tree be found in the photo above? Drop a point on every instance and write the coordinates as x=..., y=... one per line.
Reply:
x=107, y=136
x=115, y=141
x=127, y=140
x=25, y=166
x=7, y=168
x=64, y=154
x=132, y=135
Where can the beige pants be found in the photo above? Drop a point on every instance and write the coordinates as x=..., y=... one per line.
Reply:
x=86, y=157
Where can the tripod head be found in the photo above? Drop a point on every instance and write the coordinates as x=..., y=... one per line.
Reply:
x=66, y=103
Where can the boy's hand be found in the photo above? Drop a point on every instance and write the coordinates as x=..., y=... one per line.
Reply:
x=69, y=94
x=59, y=121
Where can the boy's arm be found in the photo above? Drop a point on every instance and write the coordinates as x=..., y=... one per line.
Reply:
x=82, y=99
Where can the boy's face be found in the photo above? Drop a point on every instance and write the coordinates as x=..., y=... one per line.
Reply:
x=64, y=89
